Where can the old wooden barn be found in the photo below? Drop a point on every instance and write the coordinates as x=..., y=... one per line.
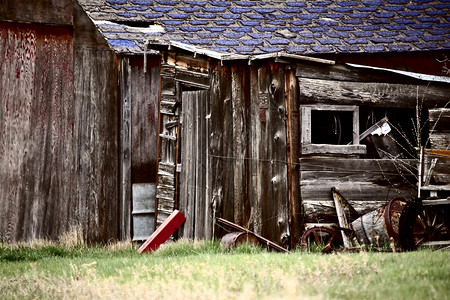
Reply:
x=249, y=111
x=60, y=129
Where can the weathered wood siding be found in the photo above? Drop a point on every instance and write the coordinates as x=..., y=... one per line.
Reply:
x=96, y=143
x=178, y=71
x=144, y=118
x=343, y=85
x=167, y=145
x=36, y=131
x=365, y=183
x=248, y=180
x=439, y=119
x=293, y=149
x=96, y=134
x=58, y=12
x=58, y=133
x=439, y=123
x=193, y=202
x=96, y=137
x=139, y=127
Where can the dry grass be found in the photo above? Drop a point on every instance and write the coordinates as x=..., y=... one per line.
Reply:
x=203, y=270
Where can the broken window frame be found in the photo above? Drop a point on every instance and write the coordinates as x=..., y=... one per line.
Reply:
x=309, y=148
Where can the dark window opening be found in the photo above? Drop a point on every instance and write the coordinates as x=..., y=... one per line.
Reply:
x=406, y=132
x=331, y=127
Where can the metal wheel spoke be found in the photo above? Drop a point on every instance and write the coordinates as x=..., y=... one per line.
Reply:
x=434, y=220
x=320, y=235
x=316, y=237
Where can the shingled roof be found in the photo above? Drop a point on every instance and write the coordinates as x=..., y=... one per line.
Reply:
x=258, y=27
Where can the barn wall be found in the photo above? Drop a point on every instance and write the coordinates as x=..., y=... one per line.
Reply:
x=139, y=128
x=56, y=12
x=179, y=72
x=95, y=143
x=365, y=182
x=96, y=133
x=144, y=118
x=37, y=125
x=248, y=180
x=58, y=130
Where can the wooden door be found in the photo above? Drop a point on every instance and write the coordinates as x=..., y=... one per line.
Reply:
x=192, y=196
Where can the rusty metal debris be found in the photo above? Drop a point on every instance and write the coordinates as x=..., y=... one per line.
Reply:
x=233, y=239
x=381, y=225
x=424, y=225
x=408, y=224
x=261, y=239
x=318, y=235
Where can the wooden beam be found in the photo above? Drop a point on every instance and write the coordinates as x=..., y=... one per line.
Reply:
x=371, y=93
x=333, y=149
x=342, y=72
x=342, y=218
x=192, y=78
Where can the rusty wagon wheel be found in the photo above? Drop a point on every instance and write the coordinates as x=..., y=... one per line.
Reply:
x=420, y=224
x=321, y=236
x=393, y=211
x=431, y=224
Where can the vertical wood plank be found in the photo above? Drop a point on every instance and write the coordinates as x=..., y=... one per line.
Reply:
x=221, y=167
x=255, y=219
x=356, y=126
x=239, y=152
x=187, y=176
x=125, y=151
x=272, y=159
x=58, y=136
x=306, y=125
x=209, y=219
x=201, y=201
x=293, y=153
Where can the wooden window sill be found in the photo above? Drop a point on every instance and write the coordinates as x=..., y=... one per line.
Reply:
x=333, y=149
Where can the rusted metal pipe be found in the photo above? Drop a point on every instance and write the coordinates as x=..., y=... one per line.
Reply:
x=260, y=238
x=233, y=239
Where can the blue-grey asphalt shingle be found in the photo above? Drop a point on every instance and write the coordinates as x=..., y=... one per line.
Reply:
x=137, y=8
x=189, y=9
x=303, y=27
x=244, y=49
x=122, y=43
x=141, y=2
x=295, y=3
x=234, y=35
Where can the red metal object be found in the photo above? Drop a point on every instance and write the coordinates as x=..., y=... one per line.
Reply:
x=164, y=231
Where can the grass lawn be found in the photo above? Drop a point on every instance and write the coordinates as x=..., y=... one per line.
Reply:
x=202, y=270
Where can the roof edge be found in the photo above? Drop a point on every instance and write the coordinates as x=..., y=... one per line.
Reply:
x=232, y=56
x=421, y=76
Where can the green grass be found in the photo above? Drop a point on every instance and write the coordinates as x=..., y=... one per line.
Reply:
x=204, y=270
